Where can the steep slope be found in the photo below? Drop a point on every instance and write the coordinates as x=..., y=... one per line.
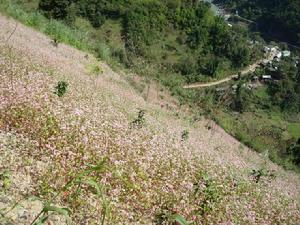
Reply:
x=82, y=151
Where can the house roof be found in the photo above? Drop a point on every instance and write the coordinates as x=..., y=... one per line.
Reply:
x=286, y=53
x=266, y=76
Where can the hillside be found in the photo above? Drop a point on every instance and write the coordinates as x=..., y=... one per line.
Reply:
x=182, y=44
x=90, y=155
x=182, y=38
x=278, y=19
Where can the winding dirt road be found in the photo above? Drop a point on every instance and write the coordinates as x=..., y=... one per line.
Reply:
x=246, y=71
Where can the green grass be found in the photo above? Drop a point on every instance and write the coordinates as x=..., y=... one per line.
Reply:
x=261, y=93
x=294, y=130
x=52, y=28
x=262, y=131
x=263, y=127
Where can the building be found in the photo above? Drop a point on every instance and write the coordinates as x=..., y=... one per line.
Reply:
x=266, y=77
x=278, y=55
x=265, y=62
x=227, y=16
x=266, y=49
x=286, y=53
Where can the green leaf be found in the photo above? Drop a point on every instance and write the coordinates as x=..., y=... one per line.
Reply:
x=42, y=220
x=92, y=183
x=101, y=167
x=61, y=211
x=180, y=219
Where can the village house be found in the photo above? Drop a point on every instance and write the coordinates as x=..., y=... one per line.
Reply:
x=286, y=53
x=266, y=77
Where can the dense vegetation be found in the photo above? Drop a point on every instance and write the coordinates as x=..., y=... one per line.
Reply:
x=268, y=115
x=279, y=18
x=183, y=36
x=276, y=105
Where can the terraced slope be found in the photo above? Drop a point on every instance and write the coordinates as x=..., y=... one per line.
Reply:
x=83, y=152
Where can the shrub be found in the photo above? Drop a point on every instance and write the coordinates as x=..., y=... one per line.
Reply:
x=184, y=135
x=103, y=51
x=140, y=120
x=294, y=152
x=57, y=9
x=258, y=174
x=61, y=88
x=94, y=69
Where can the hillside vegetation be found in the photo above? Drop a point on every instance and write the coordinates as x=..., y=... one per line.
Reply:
x=73, y=146
x=180, y=36
x=268, y=117
x=80, y=145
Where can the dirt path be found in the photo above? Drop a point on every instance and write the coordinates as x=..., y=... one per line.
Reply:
x=244, y=72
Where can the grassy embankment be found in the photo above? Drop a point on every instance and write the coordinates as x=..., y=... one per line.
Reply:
x=106, y=41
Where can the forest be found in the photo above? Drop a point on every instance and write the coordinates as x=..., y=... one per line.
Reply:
x=183, y=35
x=276, y=18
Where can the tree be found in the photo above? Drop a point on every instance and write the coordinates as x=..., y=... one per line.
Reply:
x=220, y=38
x=294, y=151
x=57, y=9
x=92, y=10
x=241, y=98
x=240, y=54
x=285, y=92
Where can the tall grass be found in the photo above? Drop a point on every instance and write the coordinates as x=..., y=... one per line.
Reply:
x=53, y=28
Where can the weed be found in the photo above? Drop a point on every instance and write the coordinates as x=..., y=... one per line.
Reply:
x=258, y=174
x=166, y=216
x=55, y=42
x=140, y=120
x=80, y=181
x=49, y=209
x=94, y=69
x=5, y=180
x=184, y=135
x=180, y=220
x=209, y=193
x=61, y=88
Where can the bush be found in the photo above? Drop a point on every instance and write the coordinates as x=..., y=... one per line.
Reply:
x=294, y=152
x=61, y=88
x=184, y=135
x=103, y=51
x=57, y=9
x=140, y=120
